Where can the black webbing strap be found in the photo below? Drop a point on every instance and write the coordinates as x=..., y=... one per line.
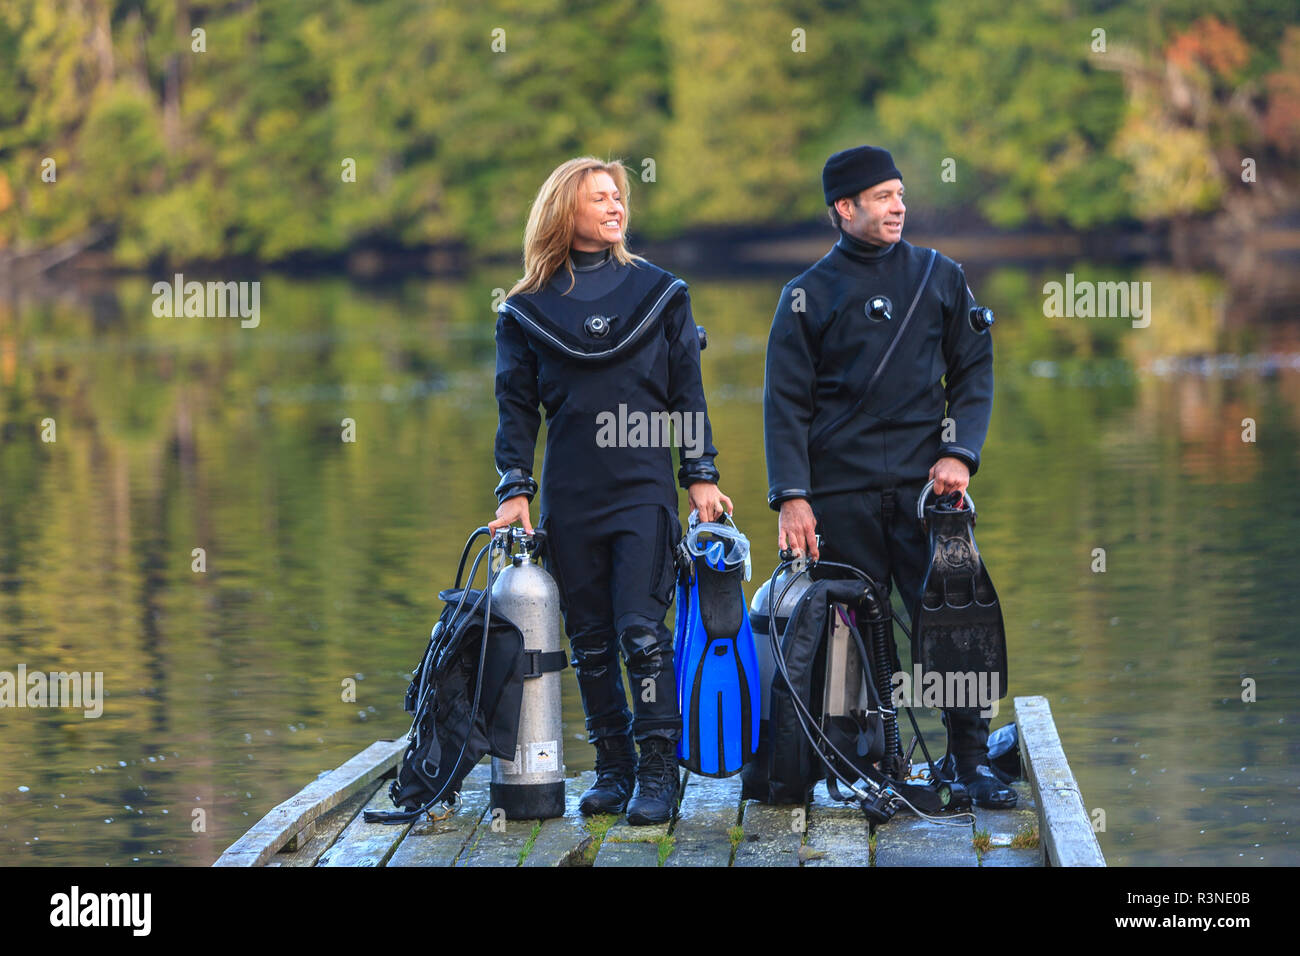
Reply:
x=544, y=662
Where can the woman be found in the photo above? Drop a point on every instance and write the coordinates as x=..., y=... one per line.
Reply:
x=605, y=342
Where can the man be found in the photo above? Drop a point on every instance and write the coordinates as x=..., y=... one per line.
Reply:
x=879, y=377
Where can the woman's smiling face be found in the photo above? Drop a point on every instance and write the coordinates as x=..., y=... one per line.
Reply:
x=598, y=223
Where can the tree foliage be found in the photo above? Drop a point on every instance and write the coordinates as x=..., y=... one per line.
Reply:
x=203, y=129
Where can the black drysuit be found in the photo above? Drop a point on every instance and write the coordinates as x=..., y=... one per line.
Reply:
x=611, y=360
x=856, y=437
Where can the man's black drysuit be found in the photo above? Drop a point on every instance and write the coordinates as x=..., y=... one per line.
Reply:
x=862, y=395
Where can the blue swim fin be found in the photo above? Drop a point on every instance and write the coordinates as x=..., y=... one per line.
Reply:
x=718, y=684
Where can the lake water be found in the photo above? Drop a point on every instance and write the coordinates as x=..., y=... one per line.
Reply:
x=224, y=688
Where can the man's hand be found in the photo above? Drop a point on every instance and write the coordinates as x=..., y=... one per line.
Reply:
x=797, y=528
x=949, y=474
x=512, y=510
x=710, y=502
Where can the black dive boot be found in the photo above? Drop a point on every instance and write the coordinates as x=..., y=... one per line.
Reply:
x=615, y=777
x=986, y=790
x=656, y=783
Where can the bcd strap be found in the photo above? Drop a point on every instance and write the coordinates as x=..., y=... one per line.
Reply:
x=391, y=816
x=833, y=788
x=544, y=662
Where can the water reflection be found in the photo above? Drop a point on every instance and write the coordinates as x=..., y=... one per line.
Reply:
x=321, y=558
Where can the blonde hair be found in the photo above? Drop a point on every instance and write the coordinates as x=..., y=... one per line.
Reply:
x=550, y=229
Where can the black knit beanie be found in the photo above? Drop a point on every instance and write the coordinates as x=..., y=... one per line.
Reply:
x=850, y=171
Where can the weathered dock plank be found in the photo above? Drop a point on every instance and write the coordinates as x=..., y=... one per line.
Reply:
x=713, y=849
x=325, y=831
x=366, y=844
x=836, y=837
x=268, y=835
x=1004, y=826
x=837, y=834
x=1065, y=829
x=498, y=842
x=1010, y=857
x=562, y=841
x=772, y=835
x=440, y=842
x=623, y=831
x=909, y=840
x=702, y=834
x=713, y=827
x=631, y=853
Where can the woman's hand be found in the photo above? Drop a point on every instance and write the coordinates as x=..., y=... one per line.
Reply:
x=709, y=501
x=512, y=510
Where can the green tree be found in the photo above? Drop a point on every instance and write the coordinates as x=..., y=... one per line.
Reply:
x=1012, y=94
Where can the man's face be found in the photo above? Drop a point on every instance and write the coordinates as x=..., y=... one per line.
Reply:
x=599, y=220
x=875, y=215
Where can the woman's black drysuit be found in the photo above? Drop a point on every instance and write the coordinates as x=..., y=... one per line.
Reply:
x=615, y=362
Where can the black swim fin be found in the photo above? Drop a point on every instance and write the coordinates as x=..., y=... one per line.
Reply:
x=958, y=618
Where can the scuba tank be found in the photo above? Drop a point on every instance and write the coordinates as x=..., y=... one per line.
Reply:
x=787, y=587
x=760, y=618
x=531, y=786
x=829, y=714
x=846, y=697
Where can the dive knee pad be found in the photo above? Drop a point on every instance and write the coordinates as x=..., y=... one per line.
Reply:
x=644, y=647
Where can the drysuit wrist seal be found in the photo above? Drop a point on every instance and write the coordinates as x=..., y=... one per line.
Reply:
x=514, y=482
x=701, y=469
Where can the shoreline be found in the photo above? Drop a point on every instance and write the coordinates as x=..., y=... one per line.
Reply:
x=722, y=251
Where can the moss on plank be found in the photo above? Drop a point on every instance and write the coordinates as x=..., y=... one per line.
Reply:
x=665, y=847
x=736, y=834
x=1026, y=838
x=528, y=846
x=597, y=826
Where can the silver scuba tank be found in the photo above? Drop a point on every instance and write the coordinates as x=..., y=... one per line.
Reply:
x=531, y=786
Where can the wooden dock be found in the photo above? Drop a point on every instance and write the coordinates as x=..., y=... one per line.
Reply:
x=323, y=825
